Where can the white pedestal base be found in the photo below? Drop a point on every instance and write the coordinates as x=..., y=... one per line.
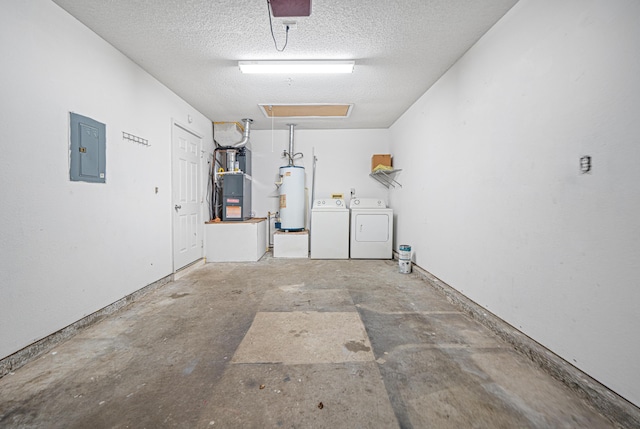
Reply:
x=291, y=244
x=242, y=241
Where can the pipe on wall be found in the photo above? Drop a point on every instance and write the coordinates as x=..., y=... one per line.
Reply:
x=245, y=134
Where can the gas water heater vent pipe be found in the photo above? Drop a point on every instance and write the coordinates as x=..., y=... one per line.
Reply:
x=291, y=152
x=245, y=135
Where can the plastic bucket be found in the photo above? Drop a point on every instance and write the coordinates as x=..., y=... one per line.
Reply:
x=404, y=266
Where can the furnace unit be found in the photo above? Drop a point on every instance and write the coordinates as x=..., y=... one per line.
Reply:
x=231, y=178
x=236, y=197
x=236, y=188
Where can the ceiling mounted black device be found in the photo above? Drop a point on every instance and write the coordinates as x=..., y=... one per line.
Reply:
x=286, y=8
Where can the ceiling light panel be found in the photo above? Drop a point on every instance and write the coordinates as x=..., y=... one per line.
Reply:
x=295, y=67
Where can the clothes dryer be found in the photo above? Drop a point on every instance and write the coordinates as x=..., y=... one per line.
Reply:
x=371, y=235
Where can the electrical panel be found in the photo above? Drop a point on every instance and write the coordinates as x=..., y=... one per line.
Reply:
x=88, y=148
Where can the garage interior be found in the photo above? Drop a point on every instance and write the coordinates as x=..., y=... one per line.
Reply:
x=512, y=130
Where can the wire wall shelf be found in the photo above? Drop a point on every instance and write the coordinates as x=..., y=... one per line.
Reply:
x=386, y=177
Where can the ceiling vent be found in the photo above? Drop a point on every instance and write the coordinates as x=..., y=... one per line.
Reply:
x=286, y=8
x=326, y=110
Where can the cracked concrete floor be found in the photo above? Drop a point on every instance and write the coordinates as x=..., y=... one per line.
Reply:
x=289, y=343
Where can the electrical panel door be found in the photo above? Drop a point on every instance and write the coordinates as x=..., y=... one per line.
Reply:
x=88, y=142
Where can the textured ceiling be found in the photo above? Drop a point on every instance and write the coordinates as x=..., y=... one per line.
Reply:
x=401, y=47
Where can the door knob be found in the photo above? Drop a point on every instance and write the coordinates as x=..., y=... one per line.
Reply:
x=177, y=207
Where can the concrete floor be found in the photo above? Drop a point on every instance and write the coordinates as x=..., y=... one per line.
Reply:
x=289, y=343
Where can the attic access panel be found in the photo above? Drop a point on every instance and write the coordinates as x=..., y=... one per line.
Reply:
x=285, y=8
x=326, y=110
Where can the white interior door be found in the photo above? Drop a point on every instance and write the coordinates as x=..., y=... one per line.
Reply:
x=187, y=200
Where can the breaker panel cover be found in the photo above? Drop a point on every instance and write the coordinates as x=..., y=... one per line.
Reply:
x=88, y=144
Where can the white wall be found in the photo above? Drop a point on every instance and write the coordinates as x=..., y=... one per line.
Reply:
x=70, y=248
x=493, y=202
x=344, y=162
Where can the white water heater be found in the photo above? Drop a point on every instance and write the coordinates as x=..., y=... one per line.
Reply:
x=292, y=198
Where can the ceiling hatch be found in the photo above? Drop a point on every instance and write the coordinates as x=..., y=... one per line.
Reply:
x=311, y=110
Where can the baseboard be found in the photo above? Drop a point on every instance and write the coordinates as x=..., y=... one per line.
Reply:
x=189, y=268
x=34, y=350
x=620, y=411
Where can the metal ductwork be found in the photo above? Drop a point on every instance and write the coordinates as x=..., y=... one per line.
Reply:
x=245, y=136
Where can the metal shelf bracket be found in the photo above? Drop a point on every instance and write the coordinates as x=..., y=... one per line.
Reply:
x=386, y=177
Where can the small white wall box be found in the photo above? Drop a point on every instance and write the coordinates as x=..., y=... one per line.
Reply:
x=236, y=241
x=291, y=244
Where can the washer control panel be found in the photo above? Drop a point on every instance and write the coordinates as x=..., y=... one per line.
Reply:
x=329, y=203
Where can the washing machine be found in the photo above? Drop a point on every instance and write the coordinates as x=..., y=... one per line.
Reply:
x=371, y=229
x=329, y=229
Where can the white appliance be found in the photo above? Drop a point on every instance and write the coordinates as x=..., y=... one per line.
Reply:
x=371, y=229
x=329, y=229
x=292, y=198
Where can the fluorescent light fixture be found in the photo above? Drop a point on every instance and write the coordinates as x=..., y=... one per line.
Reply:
x=284, y=67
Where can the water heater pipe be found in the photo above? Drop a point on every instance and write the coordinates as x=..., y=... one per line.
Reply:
x=245, y=134
x=291, y=152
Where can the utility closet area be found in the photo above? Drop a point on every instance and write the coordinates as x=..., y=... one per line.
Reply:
x=300, y=225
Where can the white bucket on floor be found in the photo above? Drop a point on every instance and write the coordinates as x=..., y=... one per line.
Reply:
x=404, y=266
x=405, y=252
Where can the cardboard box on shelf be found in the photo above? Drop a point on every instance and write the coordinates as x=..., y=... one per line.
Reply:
x=378, y=159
